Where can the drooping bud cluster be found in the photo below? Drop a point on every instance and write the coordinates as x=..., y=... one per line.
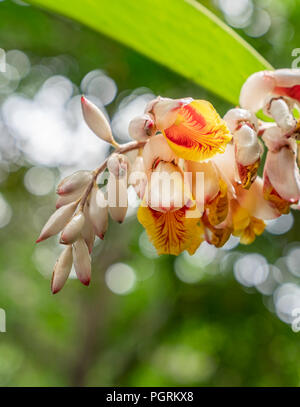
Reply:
x=83, y=208
x=195, y=173
x=73, y=223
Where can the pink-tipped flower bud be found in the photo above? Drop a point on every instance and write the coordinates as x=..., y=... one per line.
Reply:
x=62, y=270
x=142, y=127
x=73, y=229
x=74, y=182
x=87, y=231
x=82, y=261
x=69, y=198
x=96, y=121
x=118, y=165
x=57, y=221
x=98, y=212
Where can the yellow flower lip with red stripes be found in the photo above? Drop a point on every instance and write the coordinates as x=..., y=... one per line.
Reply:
x=197, y=131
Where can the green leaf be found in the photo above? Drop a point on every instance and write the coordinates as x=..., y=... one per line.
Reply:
x=179, y=34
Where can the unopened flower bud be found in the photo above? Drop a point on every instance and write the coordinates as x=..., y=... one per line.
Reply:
x=73, y=229
x=87, y=231
x=141, y=127
x=62, y=270
x=68, y=198
x=118, y=165
x=117, y=198
x=82, y=261
x=74, y=182
x=57, y=221
x=98, y=212
x=96, y=121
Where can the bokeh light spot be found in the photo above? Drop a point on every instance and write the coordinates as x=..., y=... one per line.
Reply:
x=147, y=247
x=293, y=261
x=120, y=278
x=250, y=269
x=280, y=225
x=286, y=300
x=5, y=212
x=39, y=181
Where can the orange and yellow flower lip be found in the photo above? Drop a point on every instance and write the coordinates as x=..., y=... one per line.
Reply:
x=198, y=132
x=245, y=226
x=171, y=232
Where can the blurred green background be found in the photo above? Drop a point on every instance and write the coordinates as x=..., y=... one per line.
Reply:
x=219, y=318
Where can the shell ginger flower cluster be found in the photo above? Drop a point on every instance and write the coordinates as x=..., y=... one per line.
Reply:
x=195, y=173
